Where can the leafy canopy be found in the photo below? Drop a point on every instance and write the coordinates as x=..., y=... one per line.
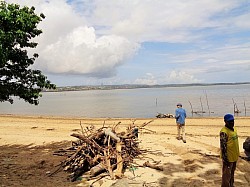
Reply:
x=18, y=26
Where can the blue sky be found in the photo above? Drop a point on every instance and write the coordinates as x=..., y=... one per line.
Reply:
x=93, y=42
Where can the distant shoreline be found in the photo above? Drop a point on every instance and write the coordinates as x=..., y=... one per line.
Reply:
x=26, y=116
x=134, y=86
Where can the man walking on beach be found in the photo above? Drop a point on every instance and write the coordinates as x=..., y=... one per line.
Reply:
x=180, y=116
x=229, y=147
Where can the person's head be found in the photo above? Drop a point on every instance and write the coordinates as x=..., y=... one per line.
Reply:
x=229, y=120
x=179, y=105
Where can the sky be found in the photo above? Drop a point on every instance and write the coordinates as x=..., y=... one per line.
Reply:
x=110, y=42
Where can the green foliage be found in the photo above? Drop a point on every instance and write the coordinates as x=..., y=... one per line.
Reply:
x=18, y=26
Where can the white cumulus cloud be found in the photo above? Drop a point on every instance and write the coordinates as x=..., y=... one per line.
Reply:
x=70, y=45
x=181, y=77
x=148, y=79
x=81, y=52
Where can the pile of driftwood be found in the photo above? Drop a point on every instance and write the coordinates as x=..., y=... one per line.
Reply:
x=160, y=115
x=101, y=152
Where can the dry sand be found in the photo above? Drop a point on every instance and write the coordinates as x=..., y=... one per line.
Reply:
x=195, y=163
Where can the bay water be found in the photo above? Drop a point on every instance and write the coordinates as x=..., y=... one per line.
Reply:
x=204, y=101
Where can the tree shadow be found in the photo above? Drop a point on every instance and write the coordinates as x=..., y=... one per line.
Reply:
x=30, y=165
x=205, y=172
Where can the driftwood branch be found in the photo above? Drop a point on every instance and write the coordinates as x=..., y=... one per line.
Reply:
x=86, y=140
x=147, y=164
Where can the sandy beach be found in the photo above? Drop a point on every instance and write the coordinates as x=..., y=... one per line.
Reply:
x=28, y=142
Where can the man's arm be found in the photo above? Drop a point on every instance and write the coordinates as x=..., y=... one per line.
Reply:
x=223, y=147
x=177, y=115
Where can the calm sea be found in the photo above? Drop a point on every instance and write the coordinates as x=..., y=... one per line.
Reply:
x=138, y=103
